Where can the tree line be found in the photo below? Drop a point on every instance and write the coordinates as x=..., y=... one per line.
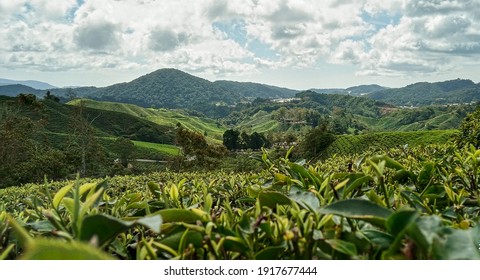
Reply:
x=234, y=140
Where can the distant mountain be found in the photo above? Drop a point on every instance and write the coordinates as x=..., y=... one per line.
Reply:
x=420, y=94
x=330, y=90
x=14, y=90
x=30, y=83
x=364, y=89
x=355, y=91
x=171, y=88
x=255, y=90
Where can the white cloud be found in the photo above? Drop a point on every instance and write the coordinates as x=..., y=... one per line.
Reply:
x=399, y=37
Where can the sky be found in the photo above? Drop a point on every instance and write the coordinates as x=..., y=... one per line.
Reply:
x=298, y=44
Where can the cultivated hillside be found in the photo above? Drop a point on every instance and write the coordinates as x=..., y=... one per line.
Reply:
x=164, y=117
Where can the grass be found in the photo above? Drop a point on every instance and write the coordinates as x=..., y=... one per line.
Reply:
x=163, y=148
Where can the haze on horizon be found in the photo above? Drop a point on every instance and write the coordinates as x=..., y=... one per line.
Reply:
x=296, y=44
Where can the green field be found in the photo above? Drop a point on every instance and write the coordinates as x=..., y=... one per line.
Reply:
x=162, y=148
x=165, y=117
x=356, y=144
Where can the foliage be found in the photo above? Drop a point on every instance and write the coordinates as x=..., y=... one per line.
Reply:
x=424, y=206
x=234, y=140
x=470, y=130
x=448, y=92
x=24, y=157
x=124, y=149
x=316, y=141
x=380, y=141
x=162, y=117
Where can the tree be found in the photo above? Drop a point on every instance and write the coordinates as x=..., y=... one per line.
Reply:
x=83, y=150
x=470, y=130
x=124, y=148
x=23, y=158
x=191, y=142
x=50, y=96
x=258, y=141
x=244, y=140
x=316, y=141
x=230, y=139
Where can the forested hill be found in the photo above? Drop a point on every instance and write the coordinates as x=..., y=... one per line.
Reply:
x=14, y=90
x=420, y=94
x=170, y=88
x=255, y=90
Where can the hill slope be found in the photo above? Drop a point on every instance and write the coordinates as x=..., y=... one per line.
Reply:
x=357, y=144
x=58, y=119
x=16, y=89
x=420, y=94
x=169, y=88
x=164, y=117
x=172, y=89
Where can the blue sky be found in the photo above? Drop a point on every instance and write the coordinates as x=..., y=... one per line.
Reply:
x=298, y=44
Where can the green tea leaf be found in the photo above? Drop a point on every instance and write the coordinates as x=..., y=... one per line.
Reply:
x=270, y=253
x=55, y=249
x=400, y=221
x=457, y=244
x=153, y=223
x=344, y=247
x=179, y=215
x=105, y=228
x=272, y=199
x=358, y=209
x=60, y=195
x=304, y=198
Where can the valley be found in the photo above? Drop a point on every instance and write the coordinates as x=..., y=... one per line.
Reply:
x=172, y=166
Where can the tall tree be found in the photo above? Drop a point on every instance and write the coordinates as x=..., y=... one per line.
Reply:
x=230, y=139
x=124, y=148
x=82, y=147
x=316, y=141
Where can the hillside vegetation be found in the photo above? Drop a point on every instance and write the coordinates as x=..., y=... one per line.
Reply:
x=345, y=145
x=163, y=117
x=420, y=94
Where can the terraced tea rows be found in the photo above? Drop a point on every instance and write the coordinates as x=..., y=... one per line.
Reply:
x=423, y=206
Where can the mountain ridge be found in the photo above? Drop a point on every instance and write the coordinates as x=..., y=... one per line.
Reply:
x=30, y=83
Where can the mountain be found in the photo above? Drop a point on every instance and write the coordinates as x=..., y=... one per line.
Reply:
x=330, y=90
x=255, y=90
x=30, y=83
x=14, y=90
x=364, y=89
x=420, y=94
x=355, y=91
x=171, y=88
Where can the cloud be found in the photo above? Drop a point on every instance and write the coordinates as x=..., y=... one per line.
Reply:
x=167, y=40
x=395, y=37
x=99, y=36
